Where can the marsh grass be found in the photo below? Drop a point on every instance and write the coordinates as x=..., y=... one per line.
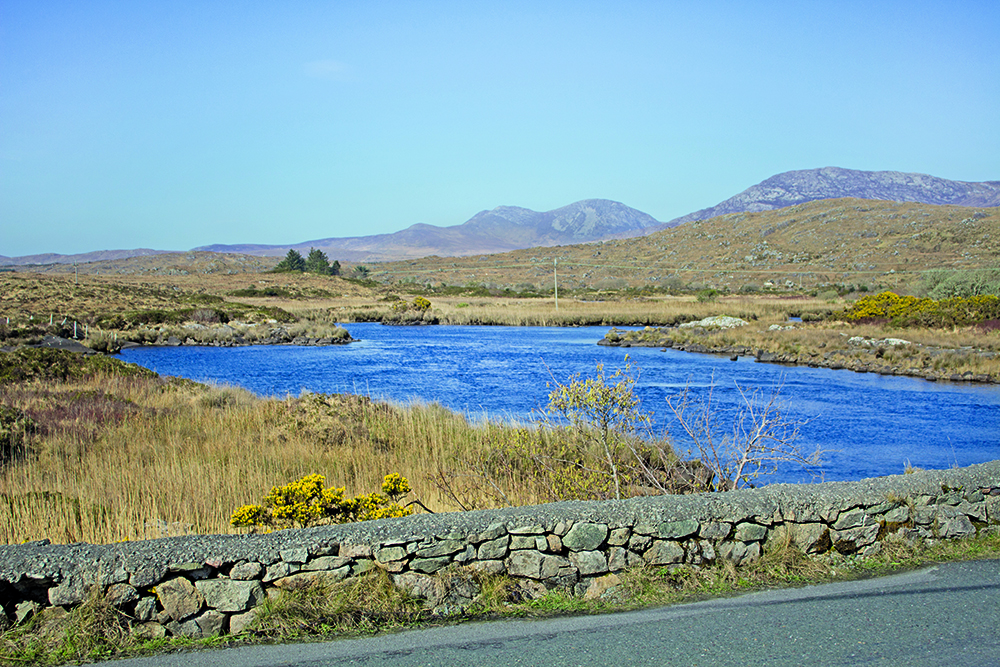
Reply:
x=600, y=311
x=113, y=458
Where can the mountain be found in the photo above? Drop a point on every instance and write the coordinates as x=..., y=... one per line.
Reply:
x=81, y=258
x=498, y=230
x=799, y=187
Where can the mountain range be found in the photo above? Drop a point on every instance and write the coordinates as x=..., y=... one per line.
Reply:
x=498, y=230
x=508, y=228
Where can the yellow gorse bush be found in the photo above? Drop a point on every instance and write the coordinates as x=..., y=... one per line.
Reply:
x=306, y=502
x=911, y=310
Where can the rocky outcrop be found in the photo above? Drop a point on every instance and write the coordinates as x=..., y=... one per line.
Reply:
x=211, y=584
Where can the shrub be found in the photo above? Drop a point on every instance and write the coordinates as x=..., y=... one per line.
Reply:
x=306, y=502
x=421, y=304
x=914, y=311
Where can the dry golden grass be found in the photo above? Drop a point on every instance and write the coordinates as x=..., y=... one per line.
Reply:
x=661, y=310
x=123, y=459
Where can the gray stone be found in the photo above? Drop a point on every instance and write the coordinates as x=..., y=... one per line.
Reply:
x=750, y=532
x=298, y=555
x=739, y=552
x=852, y=519
x=664, y=552
x=309, y=579
x=326, y=563
x=420, y=586
x=145, y=609
x=602, y=587
x=239, y=623
x=147, y=575
x=429, y=565
x=850, y=540
x=563, y=527
x=494, y=549
x=714, y=530
x=70, y=592
x=644, y=529
x=959, y=526
x=490, y=566
x=733, y=551
x=25, y=610
x=518, y=542
x=355, y=551
x=585, y=536
x=535, y=565
x=617, y=559
x=390, y=554
x=639, y=542
x=899, y=514
x=277, y=571
x=589, y=562
x=534, y=529
x=442, y=548
x=810, y=538
x=677, y=530
x=495, y=531
x=211, y=623
x=246, y=571
x=976, y=511
x=468, y=554
x=179, y=598
x=619, y=537
x=188, y=628
x=993, y=509
x=149, y=630
x=707, y=551
x=190, y=570
x=121, y=595
x=229, y=595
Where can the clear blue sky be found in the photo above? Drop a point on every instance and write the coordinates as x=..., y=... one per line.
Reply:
x=177, y=124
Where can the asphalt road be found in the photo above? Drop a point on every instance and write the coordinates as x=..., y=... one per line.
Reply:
x=943, y=615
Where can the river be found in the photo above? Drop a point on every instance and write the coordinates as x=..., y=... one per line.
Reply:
x=869, y=425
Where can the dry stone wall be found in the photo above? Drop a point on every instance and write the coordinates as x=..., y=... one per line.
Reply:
x=211, y=584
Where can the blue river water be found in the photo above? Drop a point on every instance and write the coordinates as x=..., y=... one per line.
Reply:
x=869, y=425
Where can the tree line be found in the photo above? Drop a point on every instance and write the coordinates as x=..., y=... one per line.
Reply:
x=316, y=262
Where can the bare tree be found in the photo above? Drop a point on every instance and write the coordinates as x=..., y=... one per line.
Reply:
x=762, y=436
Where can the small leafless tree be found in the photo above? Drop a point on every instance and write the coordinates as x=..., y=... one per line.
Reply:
x=761, y=438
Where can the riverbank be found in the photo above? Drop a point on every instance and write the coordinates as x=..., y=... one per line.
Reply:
x=818, y=345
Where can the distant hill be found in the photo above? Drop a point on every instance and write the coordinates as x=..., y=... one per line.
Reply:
x=799, y=187
x=501, y=229
x=81, y=258
x=830, y=241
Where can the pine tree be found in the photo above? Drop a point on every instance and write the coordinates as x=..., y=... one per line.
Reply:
x=292, y=262
x=317, y=262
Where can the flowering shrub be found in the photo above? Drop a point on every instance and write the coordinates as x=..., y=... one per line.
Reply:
x=306, y=502
x=421, y=304
x=914, y=311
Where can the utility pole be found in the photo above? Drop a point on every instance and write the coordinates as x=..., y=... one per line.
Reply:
x=555, y=281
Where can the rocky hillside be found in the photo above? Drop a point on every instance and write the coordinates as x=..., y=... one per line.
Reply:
x=864, y=242
x=799, y=187
x=498, y=230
